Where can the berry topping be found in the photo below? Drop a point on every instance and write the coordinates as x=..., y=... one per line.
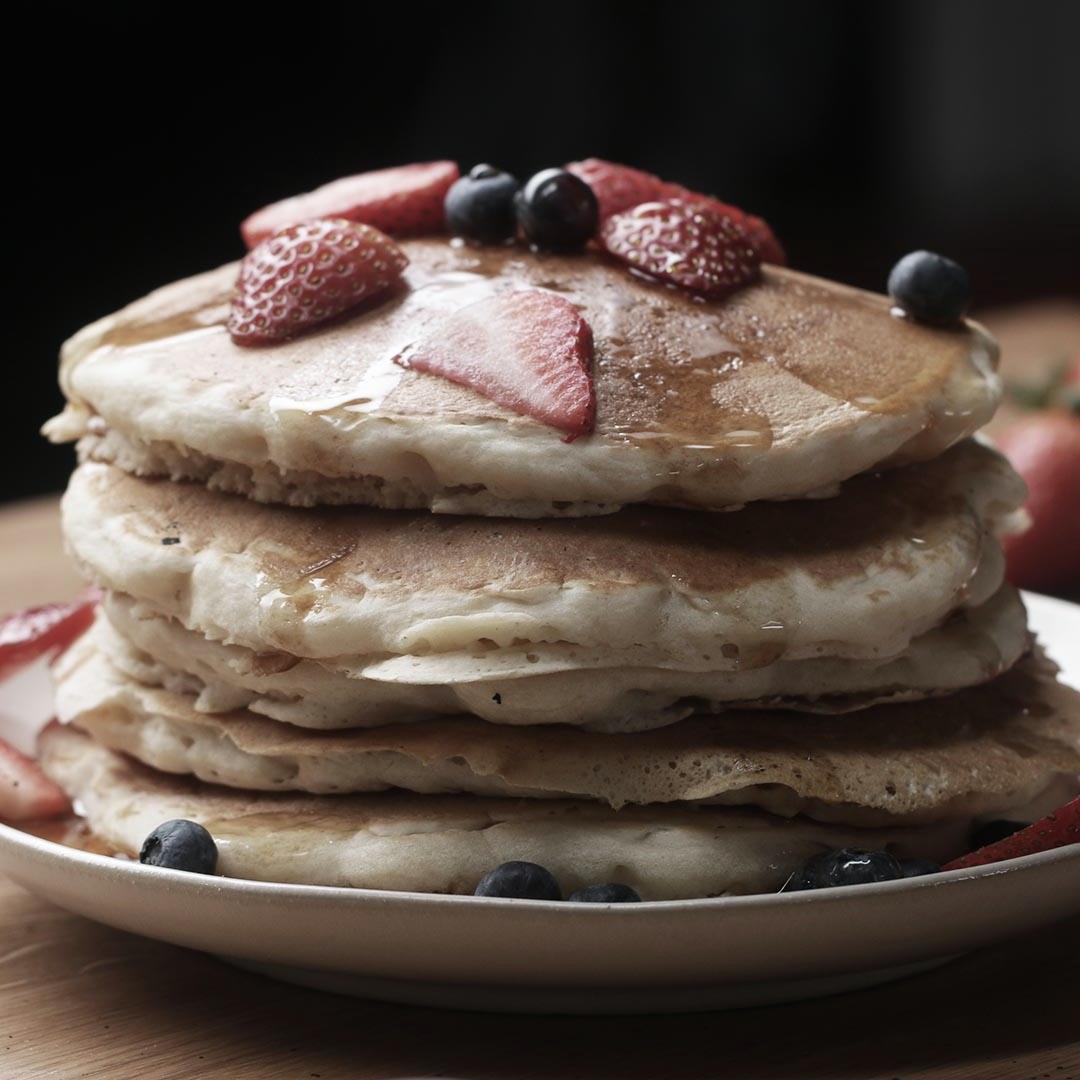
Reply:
x=529, y=351
x=307, y=274
x=480, y=206
x=930, y=288
x=405, y=201
x=764, y=239
x=519, y=881
x=180, y=845
x=1056, y=830
x=846, y=866
x=26, y=635
x=25, y=791
x=991, y=832
x=605, y=894
x=619, y=187
x=557, y=210
x=692, y=245
x=918, y=868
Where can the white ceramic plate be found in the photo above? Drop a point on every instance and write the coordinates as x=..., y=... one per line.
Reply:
x=529, y=956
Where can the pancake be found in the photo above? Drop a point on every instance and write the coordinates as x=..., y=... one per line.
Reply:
x=784, y=389
x=857, y=576
x=979, y=751
x=973, y=647
x=445, y=844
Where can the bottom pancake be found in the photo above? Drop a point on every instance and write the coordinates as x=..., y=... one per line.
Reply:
x=445, y=844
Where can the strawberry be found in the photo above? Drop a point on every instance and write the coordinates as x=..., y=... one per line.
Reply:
x=26, y=635
x=527, y=350
x=25, y=791
x=309, y=273
x=619, y=187
x=693, y=245
x=404, y=201
x=764, y=239
x=1044, y=448
x=1058, y=829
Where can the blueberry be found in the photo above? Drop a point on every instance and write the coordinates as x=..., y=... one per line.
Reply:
x=519, y=881
x=849, y=866
x=846, y=866
x=180, y=845
x=480, y=206
x=918, y=867
x=557, y=210
x=606, y=894
x=991, y=832
x=930, y=287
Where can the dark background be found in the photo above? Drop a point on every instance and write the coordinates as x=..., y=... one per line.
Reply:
x=137, y=142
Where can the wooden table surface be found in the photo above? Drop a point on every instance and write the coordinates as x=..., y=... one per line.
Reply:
x=80, y=1000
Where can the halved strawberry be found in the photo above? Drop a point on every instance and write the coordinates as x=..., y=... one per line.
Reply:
x=309, y=273
x=1058, y=829
x=692, y=245
x=530, y=351
x=619, y=187
x=25, y=791
x=404, y=201
x=26, y=635
x=764, y=239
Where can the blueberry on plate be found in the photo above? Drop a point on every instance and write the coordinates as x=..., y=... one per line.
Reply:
x=918, y=867
x=845, y=866
x=930, y=288
x=557, y=210
x=990, y=832
x=605, y=894
x=480, y=206
x=180, y=845
x=519, y=881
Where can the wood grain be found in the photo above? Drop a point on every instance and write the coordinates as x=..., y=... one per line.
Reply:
x=78, y=1000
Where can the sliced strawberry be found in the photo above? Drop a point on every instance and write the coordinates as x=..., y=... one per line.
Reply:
x=309, y=273
x=1058, y=829
x=764, y=239
x=404, y=201
x=692, y=245
x=619, y=187
x=530, y=351
x=26, y=635
x=25, y=791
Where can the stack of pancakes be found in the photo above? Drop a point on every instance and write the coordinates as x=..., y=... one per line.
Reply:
x=372, y=629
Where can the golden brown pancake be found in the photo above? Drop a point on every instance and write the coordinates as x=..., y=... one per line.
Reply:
x=859, y=575
x=445, y=844
x=786, y=388
x=976, y=645
x=980, y=750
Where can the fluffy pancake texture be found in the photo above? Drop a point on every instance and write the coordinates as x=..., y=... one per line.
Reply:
x=445, y=844
x=972, y=647
x=857, y=576
x=784, y=389
x=982, y=750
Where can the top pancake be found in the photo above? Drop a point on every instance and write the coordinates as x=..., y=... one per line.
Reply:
x=784, y=389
